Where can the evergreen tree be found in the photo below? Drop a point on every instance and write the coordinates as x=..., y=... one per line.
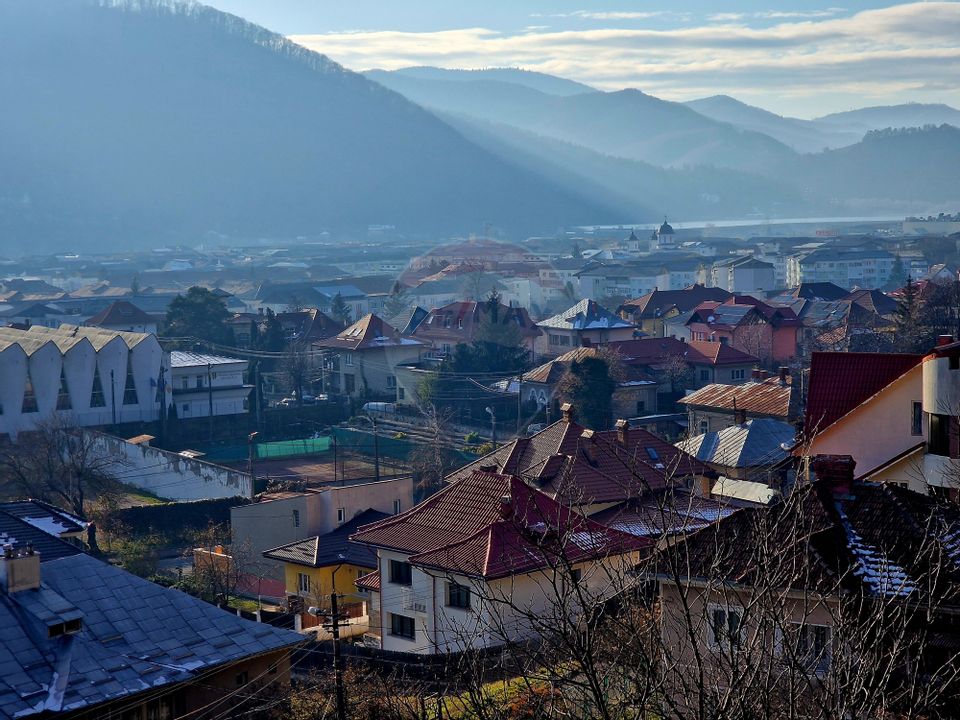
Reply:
x=907, y=318
x=339, y=310
x=898, y=274
x=589, y=385
x=397, y=302
x=199, y=314
x=271, y=336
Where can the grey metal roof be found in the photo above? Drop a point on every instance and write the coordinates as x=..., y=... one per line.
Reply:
x=182, y=358
x=755, y=443
x=136, y=636
x=333, y=547
x=586, y=315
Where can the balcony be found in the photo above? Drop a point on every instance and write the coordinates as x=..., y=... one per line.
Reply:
x=941, y=471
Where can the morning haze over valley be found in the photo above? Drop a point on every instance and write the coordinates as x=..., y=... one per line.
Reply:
x=509, y=360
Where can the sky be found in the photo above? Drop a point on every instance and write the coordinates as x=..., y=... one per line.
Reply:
x=800, y=58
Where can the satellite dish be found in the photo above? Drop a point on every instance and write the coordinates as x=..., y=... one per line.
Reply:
x=710, y=318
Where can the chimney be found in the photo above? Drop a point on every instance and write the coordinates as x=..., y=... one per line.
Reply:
x=623, y=431
x=944, y=340
x=739, y=416
x=585, y=342
x=835, y=471
x=506, y=507
x=19, y=569
x=784, y=374
x=568, y=412
x=755, y=374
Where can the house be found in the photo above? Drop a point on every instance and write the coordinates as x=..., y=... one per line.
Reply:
x=586, y=323
x=205, y=385
x=594, y=470
x=743, y=274
x=868, y=406
x=668, y=359
x=649, y=311
x=863, y=266
x=281, y=518
x=473, y=565
x=125, y=316
x=750, y=325
x=48, y=518
x=768, y=588
x=717, y=406
x=90, y=375
x=463, y=322
x=754, y=450
x=329, y=563
x=84, y=638
x=364, y=357
x=636, y=393
x=308, y=325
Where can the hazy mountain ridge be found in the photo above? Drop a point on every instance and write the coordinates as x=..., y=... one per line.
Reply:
x=168, y=121
x=549, y=84
x=628, y=123
x=879, y=117
x=802, y=135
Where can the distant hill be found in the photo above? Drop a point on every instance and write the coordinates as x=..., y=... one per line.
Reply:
x=147, y=122
x=802, y=135
x=628, y=123
x=700, y=193
x=887, y=168
x=549, y=84
x=891, y=116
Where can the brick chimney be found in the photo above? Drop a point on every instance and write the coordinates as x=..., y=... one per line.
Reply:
x=623, y=431
x=755, y=374
x=944, y=340
x=19, y=569
x=784, y=374
x=506, y=507
x=568, y=412
x=739, y=416
x=836, y=471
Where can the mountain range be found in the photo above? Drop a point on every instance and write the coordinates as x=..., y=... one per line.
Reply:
x=146, y=122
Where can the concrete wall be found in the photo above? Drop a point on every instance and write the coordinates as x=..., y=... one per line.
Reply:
x=167, y=474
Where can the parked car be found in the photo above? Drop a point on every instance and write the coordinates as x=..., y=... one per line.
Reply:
x=380, y=407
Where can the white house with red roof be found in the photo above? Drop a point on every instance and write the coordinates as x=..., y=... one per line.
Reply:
x=483, y=562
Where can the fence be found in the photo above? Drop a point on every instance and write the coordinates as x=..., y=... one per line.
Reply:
x=269, y=450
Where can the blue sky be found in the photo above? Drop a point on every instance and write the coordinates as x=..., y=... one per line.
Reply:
x=801, y=58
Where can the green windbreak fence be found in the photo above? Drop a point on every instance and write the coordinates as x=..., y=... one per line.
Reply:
x=388, y=447
x=269, y=450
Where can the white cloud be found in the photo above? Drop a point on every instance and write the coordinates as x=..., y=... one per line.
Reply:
x=882, y=53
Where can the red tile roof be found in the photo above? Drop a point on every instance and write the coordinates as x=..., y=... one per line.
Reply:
x=370, y=581
x=767, y=397
x=492, y=525
x=368, y=332
x=120, y=312
x=656, y=351
x=839, y=381
x=655, y=304
x=564, y=463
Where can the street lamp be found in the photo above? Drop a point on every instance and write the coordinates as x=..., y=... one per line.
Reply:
x=493, y=425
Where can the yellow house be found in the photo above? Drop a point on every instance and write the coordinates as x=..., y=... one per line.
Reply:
x=318, y=566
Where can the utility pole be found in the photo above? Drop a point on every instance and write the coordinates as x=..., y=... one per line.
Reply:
x=337, y=659
x=210, y=396
x=493, y=426
x=251, y=454
x=376, y=451
x=162, y=392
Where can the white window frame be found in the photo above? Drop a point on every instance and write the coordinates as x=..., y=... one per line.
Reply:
x=818, y=666
x=348, y=359
x=303, y=583
x=341, y=515
x=739, y=374
x=396, y=507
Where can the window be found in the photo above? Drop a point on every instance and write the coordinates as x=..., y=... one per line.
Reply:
x=396, y=507
x=641, y=407
x=348, y=359
x=349, y=384
x=130, y=386
x=575, y=575
x=184, y=383
x=185, y=408
x=704, y=426
x=554, y=339
x=810, y=646
x=199, y=381
x=938, y=441
x=341, y=515
x=296, y=518
x=564, y=339
x=303, y=582
x=400, y=573
x=402, y=626
x=400, y=393
x=458, y=596
x=725, y=630
x=391, y=382
x=738, y=374
x=63, y=398
x=704, y=375
x=955, y=362
x=916, y=423
x=242, y=678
